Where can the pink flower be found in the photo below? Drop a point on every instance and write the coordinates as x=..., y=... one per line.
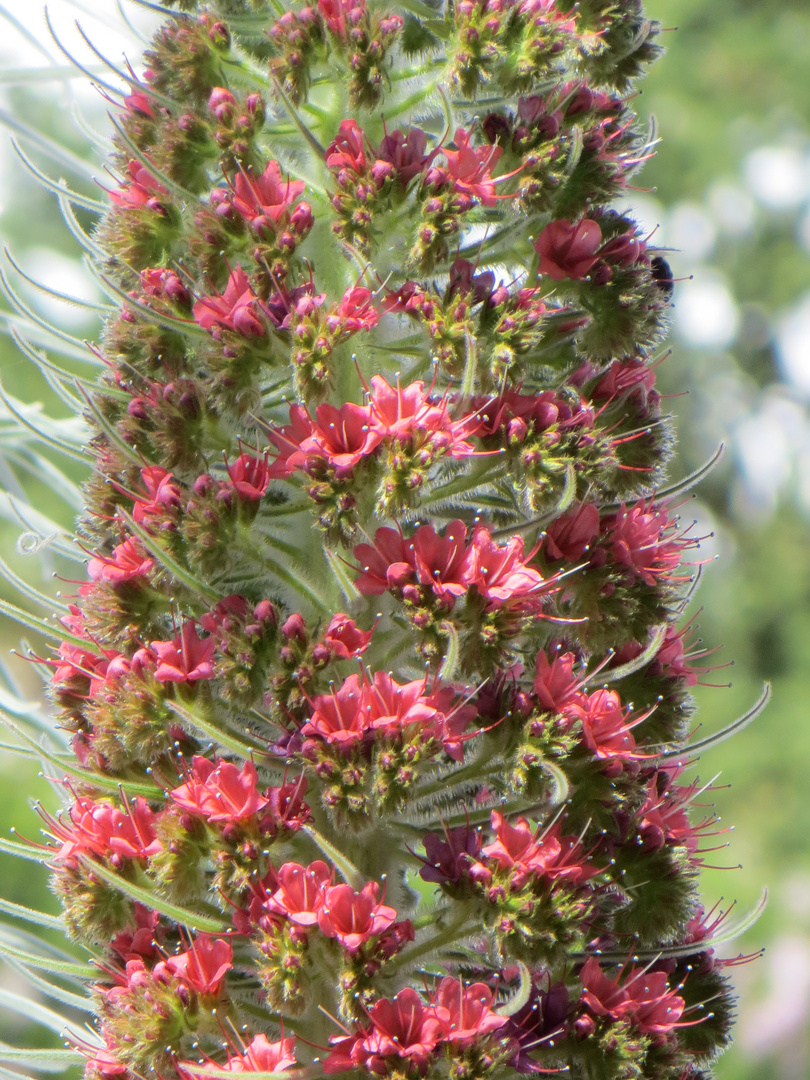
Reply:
x=288, y=440
x=162, y=499
x=263, y=1056
x=343, y=437
x=442, y=562
x=568, y=249
x=300, y=893
x=385, y=564
x=573, y=533
x=353, y=918
x=184, y=659
x=355, y=312
x=344, y=639
x=641, y=539
x=340, y=717
x=404, y=154
x=644, y=999
x=249, y=476
x=219, y=791
x=604, y=726
x=469, y=168
x=126, y=563
x=465, y=1012
x=142, y=190
x=264, y=200
x=204, y=966
x=235, y=309
x=500, y=573
x=400, y=1029
x=97, y=828
x=346, y=153
x=555, y=683
x=543, y=854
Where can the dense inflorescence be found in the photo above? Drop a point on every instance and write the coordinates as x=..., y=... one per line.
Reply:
x=376, y=686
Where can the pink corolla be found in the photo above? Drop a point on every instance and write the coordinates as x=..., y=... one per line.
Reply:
x=643, y=999
x=568, y=249
x=237, y=309
x=204, y=966
x=354, y=918
x=448, y=566
x=403, y=155
x=466, y=1013
x=263, y=201
x=126, y=563
x=221, y=792
x=531, y=855
x=187, y=658
x=404, y=1029
x=355, y=312
x=98, y=828
x=249, y=476
x=346, y=155
x=142, y=190
x=299, y=892
x=469, y=168
x=643, y=540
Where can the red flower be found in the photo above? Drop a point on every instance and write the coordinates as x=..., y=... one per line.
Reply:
x=300, y=893
x=184, y=659
x=344, y=639
x=572, y=534
x=642, y=540
x=501, y=574
x=386, y=564
x=263, y=201
x=465, y=1012
x=235, y=309
x=249, y=476
x=263, y=1056
x=142, y=190
x=400, y=1029
x=287, y=441
x=555, y=684
x=218, y=791
x=644, y=1000
x=126, y=562
x=568, y=249
x=604, y=726
x=353, y=918
x=449, y=859
x=204, y=966
x=342, y=436
x=407, y=415
x=403, y=154
x=442, y=562
x=469, y=168
x=346, y=153
x=162, y=496
x=340, y=717
x=97, y=828
x=354, y=312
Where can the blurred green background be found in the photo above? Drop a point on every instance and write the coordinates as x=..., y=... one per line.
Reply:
x=729, y=196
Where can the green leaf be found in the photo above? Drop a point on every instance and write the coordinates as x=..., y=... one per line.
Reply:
x=51, y=990
x=224, y=738
x=726, y=733
x=24, y=851
x=47, y=1060
x=33, y=1011
x=168, y=562
x=346, y=868
x=520, y=996
x=192, y=919
x=52, y=922
x=449, y=666
x=48, y=963
x=338, y=568
x=634, y=665
x=15, y=408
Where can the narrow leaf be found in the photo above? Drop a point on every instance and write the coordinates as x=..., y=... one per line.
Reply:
x=58, y=187
x=209, y=728
x=52, y=922
x=726, y=733
x=193, y=920
x=167, y=561
x=48, y=963
x=634, y=665
x=349, y=871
